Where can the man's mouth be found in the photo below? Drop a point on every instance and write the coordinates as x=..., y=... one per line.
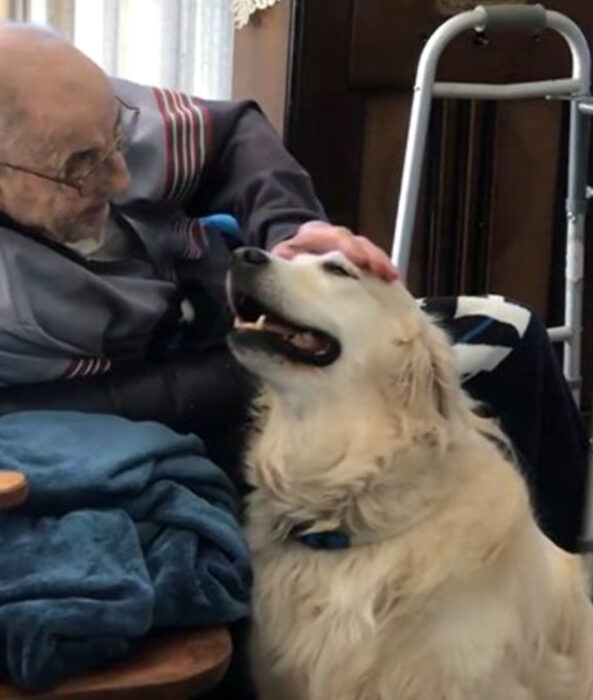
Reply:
x=261, y=327
x=95, y=210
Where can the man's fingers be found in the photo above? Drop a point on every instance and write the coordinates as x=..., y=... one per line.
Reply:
x=379, y=262
x=320, y=237
x=352, y=249
x=314, y=226
x=284, y=250
x=371, y=252
x=314, y=240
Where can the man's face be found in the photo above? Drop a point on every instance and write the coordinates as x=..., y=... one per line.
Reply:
x=76, y=143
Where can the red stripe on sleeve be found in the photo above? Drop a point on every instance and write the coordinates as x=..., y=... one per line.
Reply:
x=160, y=100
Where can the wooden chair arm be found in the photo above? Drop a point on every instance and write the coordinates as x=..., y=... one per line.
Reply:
x=166, y=666
x=13, y=488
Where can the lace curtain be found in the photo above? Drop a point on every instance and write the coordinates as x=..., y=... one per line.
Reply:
x=243, y=9
x=180, y=44
x=183, y=44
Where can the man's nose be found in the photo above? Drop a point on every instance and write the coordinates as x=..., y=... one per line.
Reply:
x=117, y=176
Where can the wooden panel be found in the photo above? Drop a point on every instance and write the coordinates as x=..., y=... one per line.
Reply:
x=485, y=223
x=260, y=63
x=451, y=7
x=475, y=215
x=524, y=197
x=388, y=37
x=326, y=120
x=450, y=243
x=384, y=143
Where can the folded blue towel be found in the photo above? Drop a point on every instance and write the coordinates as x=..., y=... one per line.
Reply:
x=127, y=527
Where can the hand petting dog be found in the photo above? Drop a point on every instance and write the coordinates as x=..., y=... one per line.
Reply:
x=321, y=237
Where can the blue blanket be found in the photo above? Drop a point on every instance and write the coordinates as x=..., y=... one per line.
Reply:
x=127, y=527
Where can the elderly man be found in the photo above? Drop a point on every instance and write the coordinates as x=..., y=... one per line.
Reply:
x=102, y=184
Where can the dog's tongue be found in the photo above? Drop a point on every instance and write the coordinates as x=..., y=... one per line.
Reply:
x=304, y=340
x=276, y=327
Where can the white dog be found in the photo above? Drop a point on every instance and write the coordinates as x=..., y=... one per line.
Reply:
x=396, y=556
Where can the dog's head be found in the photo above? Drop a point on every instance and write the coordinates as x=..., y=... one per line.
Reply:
x=321, y=320
x=361, y=406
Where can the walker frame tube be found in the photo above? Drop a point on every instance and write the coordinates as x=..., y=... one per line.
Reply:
x=511, y=17
x=532, y=19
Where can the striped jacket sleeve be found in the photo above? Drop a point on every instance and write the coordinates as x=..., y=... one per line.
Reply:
x=251, y=175
x=217, y=157
x=187, y=141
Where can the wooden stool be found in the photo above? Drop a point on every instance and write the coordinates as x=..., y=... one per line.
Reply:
x=165, y=666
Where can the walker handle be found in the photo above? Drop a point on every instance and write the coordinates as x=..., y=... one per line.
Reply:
x=524, y=18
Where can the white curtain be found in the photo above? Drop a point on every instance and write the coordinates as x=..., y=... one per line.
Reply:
x=243, y=9
x=180, y=44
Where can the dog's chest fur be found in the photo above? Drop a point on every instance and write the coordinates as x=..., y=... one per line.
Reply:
x=398, y=618
x=346, y=625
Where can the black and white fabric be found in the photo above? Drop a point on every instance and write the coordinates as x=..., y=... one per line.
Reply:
x=485, y=329
x=508, y=364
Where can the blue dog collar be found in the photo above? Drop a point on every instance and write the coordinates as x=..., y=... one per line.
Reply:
x=326, y=539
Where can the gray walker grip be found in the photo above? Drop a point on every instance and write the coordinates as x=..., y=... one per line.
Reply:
x=523, y=18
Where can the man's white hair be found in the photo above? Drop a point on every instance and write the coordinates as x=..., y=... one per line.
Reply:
x=14, y=118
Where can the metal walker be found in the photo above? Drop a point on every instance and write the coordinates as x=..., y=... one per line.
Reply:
x=576, y=89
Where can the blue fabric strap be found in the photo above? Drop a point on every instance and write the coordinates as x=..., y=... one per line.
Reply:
x=330, y=539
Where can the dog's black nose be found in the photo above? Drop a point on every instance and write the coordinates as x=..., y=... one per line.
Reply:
x=252, y=256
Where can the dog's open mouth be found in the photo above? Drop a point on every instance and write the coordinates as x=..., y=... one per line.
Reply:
x=259, y=326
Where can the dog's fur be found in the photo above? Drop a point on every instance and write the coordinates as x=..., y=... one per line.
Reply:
x=449, y=590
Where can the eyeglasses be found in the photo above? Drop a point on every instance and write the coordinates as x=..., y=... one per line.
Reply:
x=82, y=177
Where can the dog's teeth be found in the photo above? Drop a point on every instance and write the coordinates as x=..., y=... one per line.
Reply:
x=238, y=322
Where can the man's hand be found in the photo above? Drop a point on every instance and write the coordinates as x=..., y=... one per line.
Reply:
x=321, y=237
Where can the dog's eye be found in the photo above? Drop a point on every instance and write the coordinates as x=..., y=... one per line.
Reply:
x=335, y=268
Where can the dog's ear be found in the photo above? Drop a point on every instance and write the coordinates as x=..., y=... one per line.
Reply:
x=445, y=376
x=429, y=377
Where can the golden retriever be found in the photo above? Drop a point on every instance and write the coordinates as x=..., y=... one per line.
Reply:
x=396, y=556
